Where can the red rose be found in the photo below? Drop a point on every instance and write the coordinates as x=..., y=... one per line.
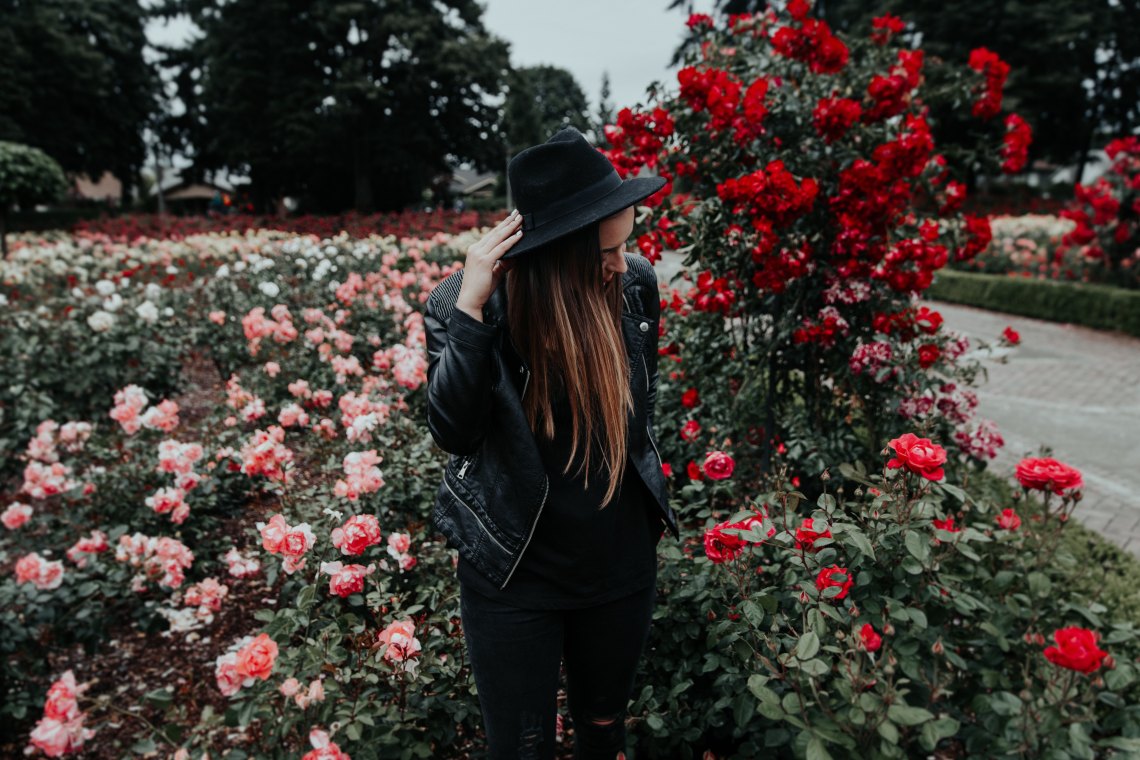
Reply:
x=1008, y=520
x=928, y=353
x=694, y=471
x=947, y=525
x=806, y=536
x=667, y=469
x=1076, y=650
x=919, y=455
x=928, y=321
x=827, y=578
x=690, y=430
x=722, y=547
x=1011, y=335
x=1046, y=473
x=718, y=465
x=870, y=640
x=690, y=398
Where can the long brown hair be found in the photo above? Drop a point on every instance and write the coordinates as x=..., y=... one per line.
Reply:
x=566, y=322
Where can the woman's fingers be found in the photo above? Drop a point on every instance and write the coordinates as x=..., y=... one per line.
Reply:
x=506, y=245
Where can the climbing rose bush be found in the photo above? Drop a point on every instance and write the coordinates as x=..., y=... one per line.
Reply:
x=813, y=205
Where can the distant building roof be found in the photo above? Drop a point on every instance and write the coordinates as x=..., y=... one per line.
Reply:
x=467, y=181
x=108, y=188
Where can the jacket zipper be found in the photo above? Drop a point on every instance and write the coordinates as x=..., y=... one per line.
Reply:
x=466, y=463
x=475, y=514
x=533, y=525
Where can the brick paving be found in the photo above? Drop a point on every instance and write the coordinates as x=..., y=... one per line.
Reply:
x=1074, y=389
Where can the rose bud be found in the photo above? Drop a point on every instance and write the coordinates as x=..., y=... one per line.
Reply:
x=937, y=648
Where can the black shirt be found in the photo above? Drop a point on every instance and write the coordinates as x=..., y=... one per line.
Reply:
x=579, y=555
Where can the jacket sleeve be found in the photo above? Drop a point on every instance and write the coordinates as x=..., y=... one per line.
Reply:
x=653, y=307
x=460, y=376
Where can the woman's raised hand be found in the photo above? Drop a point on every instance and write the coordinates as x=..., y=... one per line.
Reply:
x=483, y=269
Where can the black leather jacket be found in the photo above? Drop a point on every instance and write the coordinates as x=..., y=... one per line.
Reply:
x=495, y=485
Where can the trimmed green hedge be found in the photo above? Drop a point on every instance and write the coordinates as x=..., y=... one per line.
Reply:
x=1098, y=306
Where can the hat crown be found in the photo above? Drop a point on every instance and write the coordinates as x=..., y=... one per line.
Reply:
x=562, y=167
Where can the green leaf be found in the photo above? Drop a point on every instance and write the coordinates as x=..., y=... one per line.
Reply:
x=807, y=646
x=816, y=750
x=937, y=730
x=862, y=543
x=815, y=668
x=889, y=731
x=917, y=546
x=655, y=721
x=906, y=715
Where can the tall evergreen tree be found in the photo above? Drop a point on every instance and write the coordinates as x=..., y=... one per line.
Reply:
x=349, y=104
x=76, y=84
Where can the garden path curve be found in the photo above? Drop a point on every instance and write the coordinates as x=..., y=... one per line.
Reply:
x=1069, y=387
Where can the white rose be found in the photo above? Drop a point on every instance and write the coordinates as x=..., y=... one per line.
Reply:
x=101, y=321
x=269, y=288
x=114, y=303
x=105, y=287
x=153, y=291
x=223, y=271
x=147, y=312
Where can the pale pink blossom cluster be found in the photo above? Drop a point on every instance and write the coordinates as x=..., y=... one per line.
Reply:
x=408, y=365
x=916, y=406
x=346, y=366
x=16, y=515
x=266, y=454
x=847, y=292
x=132, y=414
x=398, y=546
x=273, y=369
x=207, y=595
x=401, y=645
x=291, y=542
x=241, y=566
x=323, y=748
x=257, y=327
x=357, y=534
x=346, y=292
x=169, y=501
x=326, y=429
x=96, y=543
x=956, y=404
x=44, y=480
x=983, y=442
x=217, y=317
x=870, y=358
x=129, y=404
x=163, y=559
x=345, y=580
x=72, y=436
x=292, y=415
x=957, y=345
x=237, y=396
x=179, y=459
x=361, y=475
x=60, y=731
x=360, y=416
x=44, y=574
x=247, y=660
x=322, y=399
x=300, y=389
x=291, y=689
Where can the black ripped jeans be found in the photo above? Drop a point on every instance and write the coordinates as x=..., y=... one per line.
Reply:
x=515, y=656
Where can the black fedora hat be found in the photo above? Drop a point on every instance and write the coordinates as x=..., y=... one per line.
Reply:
x=565, y=184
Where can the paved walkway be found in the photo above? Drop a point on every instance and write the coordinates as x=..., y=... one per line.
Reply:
x=1071, y=388
x=1076, y=390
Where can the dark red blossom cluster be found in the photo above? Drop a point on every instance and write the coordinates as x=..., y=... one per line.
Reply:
x=652, y=243
x=810, y=42
x=769, y=195
x=908, y=323
x=889, y=93
x=909, y=265
x=885, y=27
x=833, y=116
x=637, y=139
x=1015, y=148
x=699, y=19
x=994, y=70
x=714, y=294
x=713, y=90
x=978, y=236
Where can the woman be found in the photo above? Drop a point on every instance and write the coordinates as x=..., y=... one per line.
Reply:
x=543, y=391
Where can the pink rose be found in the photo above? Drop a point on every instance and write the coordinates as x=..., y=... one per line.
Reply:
x=918, y=455
x=346, y=579
x=273, y=534
x=357, y=534
x=400, y=638
x=16, y=515
x=718, y=465
x=255, y=659
x=1008, y=520
x=226, y=674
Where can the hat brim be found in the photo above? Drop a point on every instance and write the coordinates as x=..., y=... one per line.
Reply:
x=627, y=194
